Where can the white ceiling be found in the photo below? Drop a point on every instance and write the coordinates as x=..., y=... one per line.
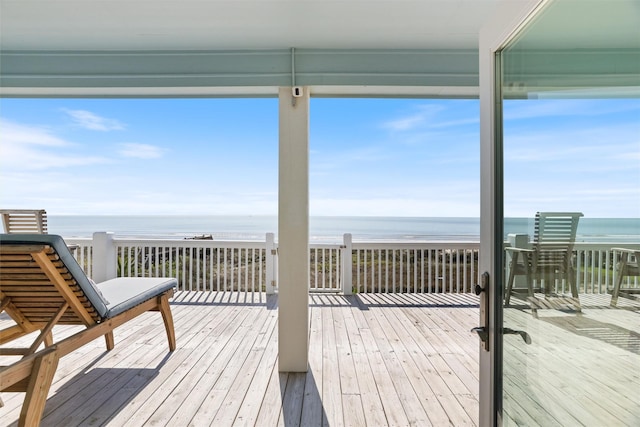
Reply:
x=242, y=24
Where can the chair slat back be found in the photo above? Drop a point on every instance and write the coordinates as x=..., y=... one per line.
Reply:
x=21, y=221
x=633, y=264
x=554, y=237
x=33, y=293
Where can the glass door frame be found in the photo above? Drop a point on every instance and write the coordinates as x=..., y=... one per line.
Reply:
x=507, y=22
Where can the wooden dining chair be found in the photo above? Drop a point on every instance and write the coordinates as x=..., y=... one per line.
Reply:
x=24, y=221
x=549, y=257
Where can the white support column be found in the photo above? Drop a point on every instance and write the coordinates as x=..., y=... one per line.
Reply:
x=293, y=232
x=105, y=263
x=347, y=265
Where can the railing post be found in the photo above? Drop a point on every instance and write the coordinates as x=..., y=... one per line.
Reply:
x=346, y=280
x=105, y=261
x=271, y=254
x=517, y=241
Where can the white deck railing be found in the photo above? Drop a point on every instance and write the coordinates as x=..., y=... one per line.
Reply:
x=415, y=267
x=251, y=266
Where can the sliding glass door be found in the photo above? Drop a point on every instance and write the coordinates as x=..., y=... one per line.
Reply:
x=567, y=307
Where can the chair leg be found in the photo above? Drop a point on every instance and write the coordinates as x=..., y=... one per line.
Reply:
x=618, y=283
x=39, y=384
x=549, y=282
x=529, y=277
x=531, y=297
x=167, y=317
x=512, y=269
x=574, y=288
x=110, y=341
x=529, y=284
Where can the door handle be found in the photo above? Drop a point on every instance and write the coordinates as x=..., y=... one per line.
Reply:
x=482, y=290
x=525, y=336
x=482, y=333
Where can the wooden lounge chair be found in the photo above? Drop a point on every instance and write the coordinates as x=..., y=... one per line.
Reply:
x=24, y=221
x=550, y=256
x=41, y=286
x=627, y=266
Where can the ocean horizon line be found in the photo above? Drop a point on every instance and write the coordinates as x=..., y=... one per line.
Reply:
x=323, y=228
x=358, y=217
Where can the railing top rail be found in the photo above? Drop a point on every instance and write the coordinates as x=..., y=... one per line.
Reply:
x=188, y=243
x=417, y=245
x=358, y=245
x=78, y=240
x=313, y=245
x=605, y=246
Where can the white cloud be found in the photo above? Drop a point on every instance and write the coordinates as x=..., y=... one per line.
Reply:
x=454, y=123
x=15, y=133
x=422, y=117
x=141, y=151
x=33, y=148
x=431, y=117
x=406, y=123
x=23, y=158
x=89, y=120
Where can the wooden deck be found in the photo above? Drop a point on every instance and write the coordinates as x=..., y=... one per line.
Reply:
x=375, y=360
x=580, y=370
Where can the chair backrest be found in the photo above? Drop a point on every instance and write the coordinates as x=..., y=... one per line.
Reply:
x=32, y=221
x=38, y=274
x=554, y=237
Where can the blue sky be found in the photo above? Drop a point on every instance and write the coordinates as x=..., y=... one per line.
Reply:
x=381, y=157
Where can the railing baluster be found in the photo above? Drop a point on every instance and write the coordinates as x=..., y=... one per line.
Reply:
x=262, y=279
x=183, y=267
x=450, y=271
x=464, y=271
x=415, y=270
x=224, y=270
x=358, y=266
x=365, y=271
x=314, y=276
x=322, y=269
x=252, y=265
x=422, y=270
x=393, y=271
x=232, y=271
x=429, y=271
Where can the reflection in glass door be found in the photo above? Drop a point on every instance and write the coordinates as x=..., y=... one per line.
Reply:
x=571, y=150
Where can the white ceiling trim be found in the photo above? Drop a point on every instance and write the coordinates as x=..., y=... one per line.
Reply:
x=25, y=73
x=248, y=91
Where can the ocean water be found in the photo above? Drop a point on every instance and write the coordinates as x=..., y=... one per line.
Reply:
x=327, y=229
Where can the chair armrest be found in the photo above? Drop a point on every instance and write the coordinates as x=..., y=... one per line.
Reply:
x=512, y=249
x=627, y=250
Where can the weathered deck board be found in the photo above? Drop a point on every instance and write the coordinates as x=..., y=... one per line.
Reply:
x=581, y=368
x=374, y=360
